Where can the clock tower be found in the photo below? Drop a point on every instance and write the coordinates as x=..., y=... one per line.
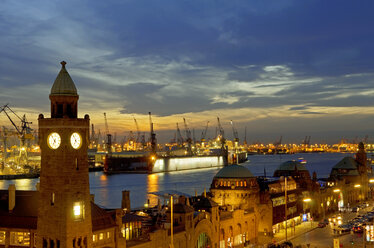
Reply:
x=64, y=214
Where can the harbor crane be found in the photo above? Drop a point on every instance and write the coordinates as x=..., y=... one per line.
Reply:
x=221, y=133
x=108, y=137
x=188, y=135
x=23, y=131
x=277, y=144
x=153, y=135
x=245, y=137
x=138, y=134
x=203, y=133
x=235, y=133
x=306, y=142
x=180, y=139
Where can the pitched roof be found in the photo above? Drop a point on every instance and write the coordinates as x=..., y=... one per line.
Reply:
x=63, y=84
x=101, y=219
x=346, y=163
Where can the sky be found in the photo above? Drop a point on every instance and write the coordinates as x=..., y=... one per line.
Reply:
x=286, y=68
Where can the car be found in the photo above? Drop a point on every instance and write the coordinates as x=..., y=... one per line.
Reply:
x=358, y=229
x=322, y=224
x=344, y=228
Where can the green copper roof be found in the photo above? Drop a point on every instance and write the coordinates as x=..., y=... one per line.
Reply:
x=63, y=84
x=346, y=163
x=291, y=166
x=234, y=171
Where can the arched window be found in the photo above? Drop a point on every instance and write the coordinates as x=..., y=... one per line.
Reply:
x=204, y=241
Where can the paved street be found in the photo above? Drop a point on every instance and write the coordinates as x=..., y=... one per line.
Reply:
x=323, y=237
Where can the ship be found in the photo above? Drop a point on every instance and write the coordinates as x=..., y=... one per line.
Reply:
x=137, y=162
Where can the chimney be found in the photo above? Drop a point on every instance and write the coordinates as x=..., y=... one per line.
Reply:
x=126, y=201
x=12, y=197
x=92, y=198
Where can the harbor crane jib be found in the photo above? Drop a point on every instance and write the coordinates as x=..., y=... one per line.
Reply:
x=23, y=131
x=235, y=134
x=189, y=139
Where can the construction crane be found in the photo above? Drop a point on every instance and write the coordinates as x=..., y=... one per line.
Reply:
x=203, y=133
x=153, y=135
x=23, y=131
x=180, y=139
x=108, y=137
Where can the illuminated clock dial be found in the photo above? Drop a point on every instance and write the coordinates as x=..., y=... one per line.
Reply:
x=54, y=140
x=76, y=140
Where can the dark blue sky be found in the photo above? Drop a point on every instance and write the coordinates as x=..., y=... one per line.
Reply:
x=290, y=68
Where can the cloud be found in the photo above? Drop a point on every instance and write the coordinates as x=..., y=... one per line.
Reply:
x=179, y=58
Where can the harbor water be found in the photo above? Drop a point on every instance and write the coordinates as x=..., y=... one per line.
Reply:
x=108, y=188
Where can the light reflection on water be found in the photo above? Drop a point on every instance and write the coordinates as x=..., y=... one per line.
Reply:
x=108, y=189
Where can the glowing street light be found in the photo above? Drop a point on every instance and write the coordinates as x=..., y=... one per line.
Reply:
x=357, y=185
x=371, y=180
x=336, y=190
x=307, y=200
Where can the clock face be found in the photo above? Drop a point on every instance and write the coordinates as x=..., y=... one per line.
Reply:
x=54, y=140
x=76, y=140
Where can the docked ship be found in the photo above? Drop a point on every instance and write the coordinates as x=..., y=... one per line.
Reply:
x=149, y=163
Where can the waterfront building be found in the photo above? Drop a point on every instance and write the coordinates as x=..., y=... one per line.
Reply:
x=351, y=177
x=237, y=192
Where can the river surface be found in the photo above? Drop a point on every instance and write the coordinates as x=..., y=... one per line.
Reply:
x=108, y=189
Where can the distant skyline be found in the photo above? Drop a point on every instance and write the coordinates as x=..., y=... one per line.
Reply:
x=280, y=68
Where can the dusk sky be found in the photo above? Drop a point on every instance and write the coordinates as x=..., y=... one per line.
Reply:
x=291, y=68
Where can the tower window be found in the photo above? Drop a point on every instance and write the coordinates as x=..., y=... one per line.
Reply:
x=53, y=199
x=78, y=210
x=60, y=110
x=76, y=164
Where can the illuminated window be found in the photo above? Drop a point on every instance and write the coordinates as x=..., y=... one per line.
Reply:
x=108, y=235
x=245, y=184
x=2, y=237
x=241, y=183
x=94, y=238
x=78, y=210
x=20, y=238
x=101, y=236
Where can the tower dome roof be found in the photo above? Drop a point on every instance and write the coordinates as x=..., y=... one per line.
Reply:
x=63, y=84
x=234, y=171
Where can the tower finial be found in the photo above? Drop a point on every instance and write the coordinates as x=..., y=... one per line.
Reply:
x=63, y=63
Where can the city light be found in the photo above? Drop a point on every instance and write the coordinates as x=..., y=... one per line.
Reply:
x=371, y=180
x=357, y=185
x=336, y=190
x=307, y=200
